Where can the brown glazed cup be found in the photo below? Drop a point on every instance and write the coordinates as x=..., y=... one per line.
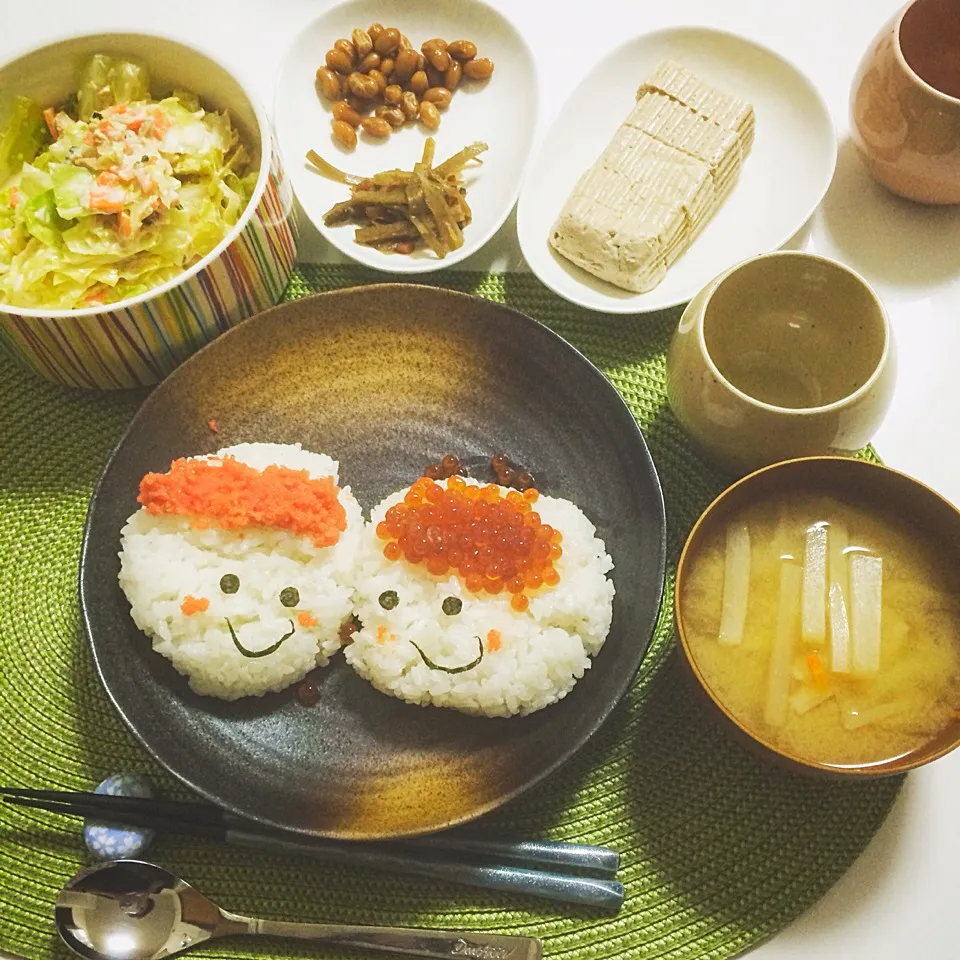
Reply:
x=905, y=103
x=785, y=355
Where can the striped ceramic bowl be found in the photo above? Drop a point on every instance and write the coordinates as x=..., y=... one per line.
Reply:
x=136, y=342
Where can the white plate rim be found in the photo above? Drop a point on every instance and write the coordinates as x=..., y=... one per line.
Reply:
x=634, y=305
x=401, y=265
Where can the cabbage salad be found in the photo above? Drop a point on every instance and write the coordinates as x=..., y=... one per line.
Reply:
x=113, y=193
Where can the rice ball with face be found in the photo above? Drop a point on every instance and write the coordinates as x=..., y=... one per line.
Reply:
x=479, y=598
x=240, y=566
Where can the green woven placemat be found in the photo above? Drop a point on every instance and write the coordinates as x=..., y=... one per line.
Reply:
x=719, y=849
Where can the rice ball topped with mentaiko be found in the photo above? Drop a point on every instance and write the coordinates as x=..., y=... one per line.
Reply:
x=240, y=566
x=480, y=598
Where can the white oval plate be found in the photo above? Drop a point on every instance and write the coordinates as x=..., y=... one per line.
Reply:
x=502, y=112
x=781, y=184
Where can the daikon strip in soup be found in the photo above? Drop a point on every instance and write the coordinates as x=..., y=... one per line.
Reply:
x=850, y=646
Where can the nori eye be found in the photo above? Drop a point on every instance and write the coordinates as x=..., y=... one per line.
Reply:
x=389, y=599
x=229, y=583
x=451, y=606
x=289, y=596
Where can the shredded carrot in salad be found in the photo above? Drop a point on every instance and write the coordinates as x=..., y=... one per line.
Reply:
x=49, y=116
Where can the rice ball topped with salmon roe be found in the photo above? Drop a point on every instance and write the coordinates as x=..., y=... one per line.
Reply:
x=240, y=566
x=479, y=598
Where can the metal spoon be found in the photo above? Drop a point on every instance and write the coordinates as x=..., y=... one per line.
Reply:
x=130, y=910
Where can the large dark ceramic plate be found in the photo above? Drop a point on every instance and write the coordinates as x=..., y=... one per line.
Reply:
x=386, y=379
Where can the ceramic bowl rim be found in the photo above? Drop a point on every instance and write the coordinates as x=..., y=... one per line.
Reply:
x=875, y=769
x=898, y=53
x=267, y=152
x=836, y=405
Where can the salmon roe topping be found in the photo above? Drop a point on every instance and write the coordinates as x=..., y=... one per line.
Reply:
x=493, y=542
x=229, y=494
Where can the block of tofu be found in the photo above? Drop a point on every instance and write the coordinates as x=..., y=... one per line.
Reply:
x=668, y=168
x=658, y=168
x=626, y=225
x=676, y=81
x=679, y=127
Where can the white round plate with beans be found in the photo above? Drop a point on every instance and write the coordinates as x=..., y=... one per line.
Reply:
x=498, y=108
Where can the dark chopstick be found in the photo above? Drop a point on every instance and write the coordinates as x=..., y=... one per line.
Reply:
x=541, y=854
x=433, y=862
x=130, y=818
x=551, y=855
x=112, y=804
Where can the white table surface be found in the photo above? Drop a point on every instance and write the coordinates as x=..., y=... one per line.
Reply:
x=899, y=900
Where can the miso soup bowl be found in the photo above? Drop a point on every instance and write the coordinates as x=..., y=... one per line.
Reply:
x=933, y=519
x=138, y=341
x=785, y=355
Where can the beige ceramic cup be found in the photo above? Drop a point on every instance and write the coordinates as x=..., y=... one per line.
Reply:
x=905, y=103
x=785, y=355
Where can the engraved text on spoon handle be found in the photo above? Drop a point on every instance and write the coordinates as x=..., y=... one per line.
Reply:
x=441, y=944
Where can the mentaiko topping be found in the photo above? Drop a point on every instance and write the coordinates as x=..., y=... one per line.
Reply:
x=491, y=541
x=230, y=495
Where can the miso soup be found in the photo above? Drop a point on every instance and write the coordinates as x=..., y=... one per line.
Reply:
x=828, y=630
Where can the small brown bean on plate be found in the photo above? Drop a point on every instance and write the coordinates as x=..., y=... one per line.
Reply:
x=388, y=42
x=479, y=69
x=436, y=53
x=344, y=134
x=462, y=50
x=362, y=41
x=376, y=126
x=343, y=111
x=410, y=105
x=346, y=48
x=451, y=79
x=361, y=86
x=405, y=65
x=337, y=60
x=440, y=96
x=429, y=115
x=393, y=115
x=329, y=83
x=370, y=62
x=419, y=83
